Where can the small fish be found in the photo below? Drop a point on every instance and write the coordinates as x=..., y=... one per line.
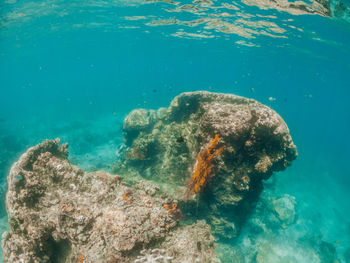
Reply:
x=252, y=89
x=154, y=90
x=272, y=99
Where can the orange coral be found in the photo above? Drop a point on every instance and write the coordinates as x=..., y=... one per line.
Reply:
x=202, y=170
x=171, y=207
x=174, y=210
x=81, y=258
x=126, y=196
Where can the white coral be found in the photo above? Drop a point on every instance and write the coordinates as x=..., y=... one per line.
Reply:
x=153, y=256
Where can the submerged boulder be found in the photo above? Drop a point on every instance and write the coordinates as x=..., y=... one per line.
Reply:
x=138, y=120
x=256, y=143
x=59, y=213
x=284, y=208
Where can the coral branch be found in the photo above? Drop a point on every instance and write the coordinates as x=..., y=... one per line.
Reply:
x=202, y=171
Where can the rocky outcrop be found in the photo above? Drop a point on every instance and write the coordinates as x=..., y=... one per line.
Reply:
x=256, y=143
x=59, y=213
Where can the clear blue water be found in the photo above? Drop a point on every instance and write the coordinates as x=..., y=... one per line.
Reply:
x=74, y=69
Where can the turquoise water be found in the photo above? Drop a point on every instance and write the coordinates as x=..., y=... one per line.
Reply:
x=74, y=69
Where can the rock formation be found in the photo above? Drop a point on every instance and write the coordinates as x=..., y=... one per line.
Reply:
x=59, y=213
x=162, y=147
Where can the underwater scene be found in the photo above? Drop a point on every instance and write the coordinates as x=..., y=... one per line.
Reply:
x=175, y=131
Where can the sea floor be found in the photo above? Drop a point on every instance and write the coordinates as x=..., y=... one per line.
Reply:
x=302, y=214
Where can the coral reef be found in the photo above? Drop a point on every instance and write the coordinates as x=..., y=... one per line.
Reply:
x=256, y=139
x=174, y=210
x=59, y=213
x=153, y=256
x=197, y=248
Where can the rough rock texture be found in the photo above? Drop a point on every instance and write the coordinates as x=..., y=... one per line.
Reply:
x=256, y=140
x=284, y=208
x=229, y=254
x=197, y=248
x=59, y=213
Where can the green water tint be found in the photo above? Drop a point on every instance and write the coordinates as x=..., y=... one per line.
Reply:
x=263, y=225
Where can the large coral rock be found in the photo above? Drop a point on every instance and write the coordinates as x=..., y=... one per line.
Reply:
x=256, y=139
x=284, y=207
x=139, y=119
x=59, y=213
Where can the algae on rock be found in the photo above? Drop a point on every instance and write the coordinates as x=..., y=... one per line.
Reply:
x=284, y=207
x=256, y=139
x=58, y=212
